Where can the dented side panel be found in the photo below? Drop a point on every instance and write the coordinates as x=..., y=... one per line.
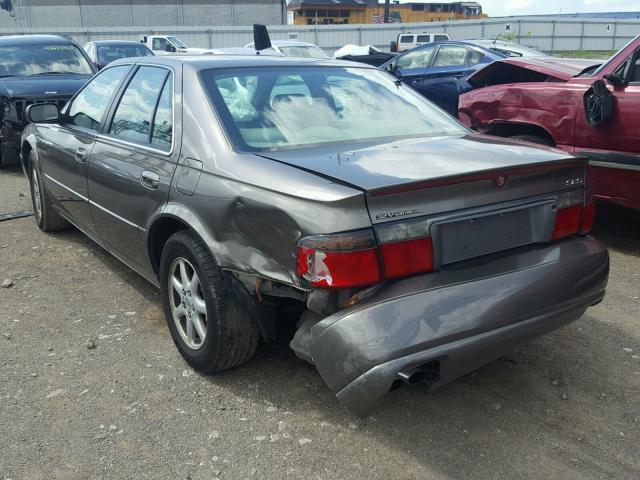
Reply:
x=552, y=106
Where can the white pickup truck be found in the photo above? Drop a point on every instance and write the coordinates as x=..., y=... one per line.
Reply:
x=170, y=45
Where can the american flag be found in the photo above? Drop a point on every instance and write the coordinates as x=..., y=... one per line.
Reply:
x=394, y=17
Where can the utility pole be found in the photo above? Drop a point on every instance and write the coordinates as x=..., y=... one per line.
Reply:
x=386, y=11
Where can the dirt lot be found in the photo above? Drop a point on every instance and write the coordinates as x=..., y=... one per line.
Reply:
x=91, y=386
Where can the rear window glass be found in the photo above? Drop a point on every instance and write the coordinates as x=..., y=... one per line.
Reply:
x=424, y=38
x=440, y=38
x=406, y=39
x=277, y=108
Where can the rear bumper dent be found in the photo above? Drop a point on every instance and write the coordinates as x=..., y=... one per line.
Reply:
x=461, y=317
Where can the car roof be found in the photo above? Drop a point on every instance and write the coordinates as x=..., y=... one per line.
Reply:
x=116, y=42
x=202, y=62
x=485, y=50
x=16, y=40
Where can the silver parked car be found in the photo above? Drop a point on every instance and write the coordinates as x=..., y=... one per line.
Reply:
x=415, y=250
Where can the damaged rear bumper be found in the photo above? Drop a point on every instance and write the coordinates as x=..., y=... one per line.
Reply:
x=448, y=323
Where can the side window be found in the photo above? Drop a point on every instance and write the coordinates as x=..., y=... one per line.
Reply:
x=162, y=129
x=441, y=38
x=406, y=38
x=415, y=59
x=134, y=114
x=159, y=44
x=635, y=73
x=475, y=56
x=450, y=56
x=88, y=108
x=423, y=39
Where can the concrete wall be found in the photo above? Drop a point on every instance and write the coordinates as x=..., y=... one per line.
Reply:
x=541, y=33
x=141, y=13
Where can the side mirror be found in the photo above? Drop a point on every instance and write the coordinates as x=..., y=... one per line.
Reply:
x=391, y=67
x=615, y=80
x=100, y=66
x=170, y=48
x=43, y=113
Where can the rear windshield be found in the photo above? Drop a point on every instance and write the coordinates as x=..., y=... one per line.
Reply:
x=42, y=59
x=278, y=108
x=111, y=53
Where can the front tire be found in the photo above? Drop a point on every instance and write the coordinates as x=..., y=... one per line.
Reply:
x=47, y=219
x=211, y=328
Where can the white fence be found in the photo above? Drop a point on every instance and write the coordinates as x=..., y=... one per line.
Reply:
x=539, y=32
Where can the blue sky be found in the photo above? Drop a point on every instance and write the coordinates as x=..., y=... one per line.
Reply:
x=496, y=8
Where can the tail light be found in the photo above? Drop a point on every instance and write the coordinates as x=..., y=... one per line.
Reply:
x=339, y=261
x=355, y=260
x=575, y=214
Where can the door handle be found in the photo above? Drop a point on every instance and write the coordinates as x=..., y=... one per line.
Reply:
x=150, y=179
x=459, y=74
x=81, y=155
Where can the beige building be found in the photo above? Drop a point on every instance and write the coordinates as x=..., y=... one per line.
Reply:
x=327, y=12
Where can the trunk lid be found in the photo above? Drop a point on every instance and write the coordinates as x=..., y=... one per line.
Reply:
x=470, y=195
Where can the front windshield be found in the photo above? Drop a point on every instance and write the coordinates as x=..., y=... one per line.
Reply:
x=276, y=108
x=111, y=53
x=310, y=51
x=177, y=42
x=42, y=59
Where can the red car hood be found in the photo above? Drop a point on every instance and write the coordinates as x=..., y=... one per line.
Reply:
x=561, y=69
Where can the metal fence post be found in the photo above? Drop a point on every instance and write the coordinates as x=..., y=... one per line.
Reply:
x=210, y=35
x=615, y=34
x=582, y=36
x=482, y=31
x=359, y=35
x=553, y=36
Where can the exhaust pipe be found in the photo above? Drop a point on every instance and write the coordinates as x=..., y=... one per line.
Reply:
x=428, y=373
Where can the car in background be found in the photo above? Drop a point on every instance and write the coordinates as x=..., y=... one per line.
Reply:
x=103, y=52
x=412, y=249
x=293, y=48
x=508, y=48
x=364, y=54
x=580, y=106
x=439, y=70
x=35, y=69
x=408, y=41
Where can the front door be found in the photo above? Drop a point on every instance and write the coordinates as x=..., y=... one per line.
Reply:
x=132, y=164
x=65, y=154
x=612, y=147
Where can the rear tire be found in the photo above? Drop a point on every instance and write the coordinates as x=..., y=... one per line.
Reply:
x=533, y=139
x=47, y=219
x=210, y=325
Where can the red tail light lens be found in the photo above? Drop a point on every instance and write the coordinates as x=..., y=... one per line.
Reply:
x=567, y=221
x=588, y=217
x=408, y=257
x=339, y=261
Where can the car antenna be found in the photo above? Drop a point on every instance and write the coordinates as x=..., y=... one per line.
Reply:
x=261, y=40
x=496, y=39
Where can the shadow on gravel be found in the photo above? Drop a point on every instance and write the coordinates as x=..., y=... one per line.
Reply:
x=618, y=227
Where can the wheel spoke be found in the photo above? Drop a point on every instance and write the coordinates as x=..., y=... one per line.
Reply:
x=190, y=330
x=201, y=306
x=200, y=327
x=194, y=283
x=177, y=285
x=180, y=311
x=184, y=276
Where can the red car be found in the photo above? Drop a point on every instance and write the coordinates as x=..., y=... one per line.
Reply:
x=591, y=110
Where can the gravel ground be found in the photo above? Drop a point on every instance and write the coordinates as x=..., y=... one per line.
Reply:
x=91, y=386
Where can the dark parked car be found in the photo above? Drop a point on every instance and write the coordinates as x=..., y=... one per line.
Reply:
x=414, y=250
x=35, y=69
x=103, y=52
x=439, y=70
x=579, y=106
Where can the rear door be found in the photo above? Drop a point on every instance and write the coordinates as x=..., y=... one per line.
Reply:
x=65, y=154
x=133, y=162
